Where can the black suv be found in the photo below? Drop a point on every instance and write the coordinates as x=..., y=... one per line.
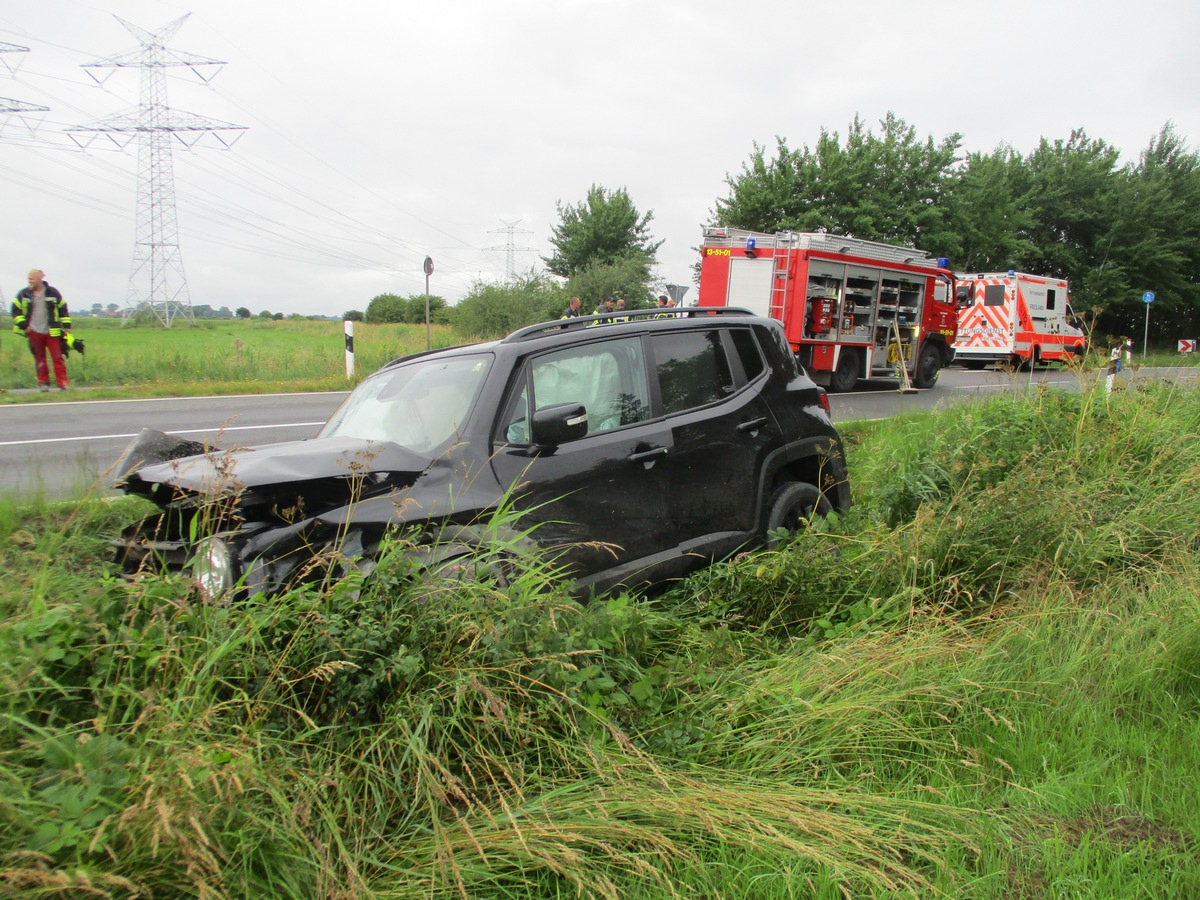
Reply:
x=639, y=449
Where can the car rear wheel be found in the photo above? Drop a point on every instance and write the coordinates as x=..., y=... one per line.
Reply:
x=793, y=505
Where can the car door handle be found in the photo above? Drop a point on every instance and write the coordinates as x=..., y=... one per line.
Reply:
x=648, y=455
x=752, y=425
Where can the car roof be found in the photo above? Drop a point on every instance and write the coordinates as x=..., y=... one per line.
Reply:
x=569, y=331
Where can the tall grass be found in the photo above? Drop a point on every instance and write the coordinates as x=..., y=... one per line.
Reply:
x=220, y=356
x=982, y=681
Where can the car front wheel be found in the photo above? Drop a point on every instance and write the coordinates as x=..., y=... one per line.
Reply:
x=793, y=505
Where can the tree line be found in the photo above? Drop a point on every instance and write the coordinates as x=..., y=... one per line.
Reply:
x=1069, y=208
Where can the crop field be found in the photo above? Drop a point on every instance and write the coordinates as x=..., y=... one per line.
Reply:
x=982, y=681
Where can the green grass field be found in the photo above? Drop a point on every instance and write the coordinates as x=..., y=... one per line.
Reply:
x=250, y=356
x=981, y=682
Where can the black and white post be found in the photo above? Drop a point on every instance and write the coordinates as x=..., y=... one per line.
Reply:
x=428, y=272
x=349, y=328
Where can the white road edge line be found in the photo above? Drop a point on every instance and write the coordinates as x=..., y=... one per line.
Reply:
x=113, y=437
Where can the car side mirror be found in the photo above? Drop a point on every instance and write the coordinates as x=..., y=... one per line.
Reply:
x=554, y=425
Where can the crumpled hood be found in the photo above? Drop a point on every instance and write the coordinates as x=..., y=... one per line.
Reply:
x=155, y=458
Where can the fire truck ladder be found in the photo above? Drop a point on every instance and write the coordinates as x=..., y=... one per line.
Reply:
x=785, y=242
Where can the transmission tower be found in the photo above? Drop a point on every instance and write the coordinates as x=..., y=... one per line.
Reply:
x=16, y=110
x=510, y=248
x=157, y=282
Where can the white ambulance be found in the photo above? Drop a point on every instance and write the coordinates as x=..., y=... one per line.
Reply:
x=1015, y=319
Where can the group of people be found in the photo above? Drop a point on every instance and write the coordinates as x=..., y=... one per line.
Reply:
x=612, y=308
x=40, y=313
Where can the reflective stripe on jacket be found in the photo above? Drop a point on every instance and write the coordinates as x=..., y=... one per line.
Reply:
x=58, y=317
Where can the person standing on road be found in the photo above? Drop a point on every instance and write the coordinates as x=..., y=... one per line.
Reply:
x=572, y=310
x=40, y=313
x=1114, y=361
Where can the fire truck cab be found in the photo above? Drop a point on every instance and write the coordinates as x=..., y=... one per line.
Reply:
x=1015, y=319
x=850, y=308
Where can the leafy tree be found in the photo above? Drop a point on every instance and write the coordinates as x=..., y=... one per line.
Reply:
x=1071, y=197
x=494, y=310
x=265, y=314
x=890, y=187
x=1155, y=242
x=605, y=228
x=438, y=309
x=386, y=308
x=243, y=313
x=352, y=315
x=987, y=221
x=621, y=278
x=411, y=309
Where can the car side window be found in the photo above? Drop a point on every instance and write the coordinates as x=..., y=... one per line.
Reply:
x=607, y=377
x=692, y=369
x=748, y=352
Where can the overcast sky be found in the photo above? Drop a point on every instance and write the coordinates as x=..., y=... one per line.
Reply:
x=382, y=131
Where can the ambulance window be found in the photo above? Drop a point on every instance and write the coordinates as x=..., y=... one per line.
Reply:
x=993, y=295
x=1049, y=299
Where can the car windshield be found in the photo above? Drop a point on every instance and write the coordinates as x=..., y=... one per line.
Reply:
x=419, y=405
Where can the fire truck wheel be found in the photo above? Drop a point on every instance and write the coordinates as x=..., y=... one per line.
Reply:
x=793, y=505
x=929, y=366
x=845, y=374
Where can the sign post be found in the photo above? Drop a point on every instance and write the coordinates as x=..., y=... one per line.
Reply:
x=428, y=272
x=1147, y=298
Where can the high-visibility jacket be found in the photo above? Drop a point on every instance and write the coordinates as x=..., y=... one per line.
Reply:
x=57, y=315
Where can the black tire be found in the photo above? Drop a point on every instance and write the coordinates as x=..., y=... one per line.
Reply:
x=845, y=374
x=791, y=506
x=929, y=366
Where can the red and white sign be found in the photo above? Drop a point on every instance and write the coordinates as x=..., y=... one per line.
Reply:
x=1187, y=346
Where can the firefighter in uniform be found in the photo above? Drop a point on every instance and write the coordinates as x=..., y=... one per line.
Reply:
x=40, y=313
x=572, y=310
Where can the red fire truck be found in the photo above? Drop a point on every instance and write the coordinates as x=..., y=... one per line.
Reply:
x=1015, y=319
x=850, y=308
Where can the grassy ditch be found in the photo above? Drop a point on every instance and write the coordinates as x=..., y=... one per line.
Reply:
x=983, y=681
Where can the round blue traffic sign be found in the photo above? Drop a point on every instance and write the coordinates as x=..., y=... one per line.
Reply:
x=1148, y=297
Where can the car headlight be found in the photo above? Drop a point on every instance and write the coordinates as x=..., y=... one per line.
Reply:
x=213, y=568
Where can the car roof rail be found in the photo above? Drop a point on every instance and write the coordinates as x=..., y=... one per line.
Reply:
x=617, y=318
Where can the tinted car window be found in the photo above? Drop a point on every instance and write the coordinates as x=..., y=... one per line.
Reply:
x=608, y=378
x=748, y=352
x=692, y=369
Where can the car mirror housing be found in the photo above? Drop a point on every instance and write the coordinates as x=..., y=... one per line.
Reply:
x=554, y=425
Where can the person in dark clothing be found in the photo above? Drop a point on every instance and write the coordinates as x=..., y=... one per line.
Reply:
x=40, y=313
x=572, y=310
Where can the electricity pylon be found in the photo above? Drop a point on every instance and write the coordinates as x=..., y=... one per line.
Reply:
x=16, y=110
x=157, y=281
x=510, y=248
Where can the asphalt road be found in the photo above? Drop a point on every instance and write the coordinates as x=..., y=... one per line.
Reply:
x=64, y=449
